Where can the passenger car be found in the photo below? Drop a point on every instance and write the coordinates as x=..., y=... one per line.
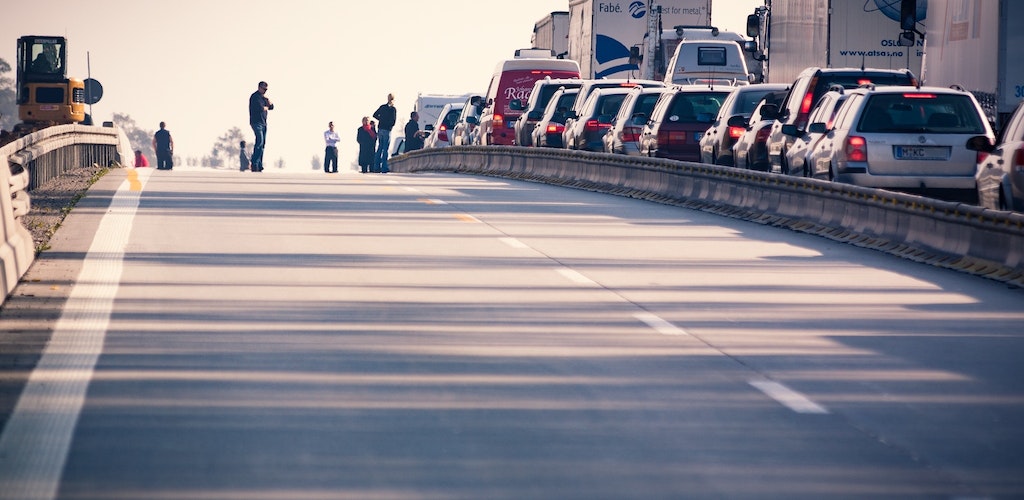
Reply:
x=548, y=131
x=588, y=130
x=1000, y=175
x=716, y=145
x=589, y=86
x=751, y=150
x=624, y=135
x=438, y=137
x=821, y=120
x=809, y=86
x=534, y=108
x=463, y=132
x=906, y=139
x=679, y=121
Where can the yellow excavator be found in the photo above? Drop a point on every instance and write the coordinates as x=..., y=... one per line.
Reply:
x=45, y=93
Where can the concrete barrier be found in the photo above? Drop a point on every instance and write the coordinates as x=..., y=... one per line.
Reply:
x=31, y=161
x=952, y=235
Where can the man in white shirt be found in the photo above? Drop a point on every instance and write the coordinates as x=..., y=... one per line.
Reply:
x=331, y=153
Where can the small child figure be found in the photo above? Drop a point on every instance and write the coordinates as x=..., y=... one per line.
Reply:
x=242, y=157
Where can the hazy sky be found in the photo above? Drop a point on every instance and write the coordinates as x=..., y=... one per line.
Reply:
x=194, y=63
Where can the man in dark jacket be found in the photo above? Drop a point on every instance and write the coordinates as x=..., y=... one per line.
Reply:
x=413, y=134
x=258, y=107
x=386, y=117
x=163, y=144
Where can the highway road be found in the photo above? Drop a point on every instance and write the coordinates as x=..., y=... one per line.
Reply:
x=224, y=335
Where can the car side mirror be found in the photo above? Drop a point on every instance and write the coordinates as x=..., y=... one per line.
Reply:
x=817, y=128
x=981, y=143
x=737, y=121
x=428, y=128
x=791, y=130
x=770, y=112
x=472, y=120
x=535, y=115
x=516, y=105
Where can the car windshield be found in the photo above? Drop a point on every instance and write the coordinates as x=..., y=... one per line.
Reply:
x=921, y=112
x=691, y=106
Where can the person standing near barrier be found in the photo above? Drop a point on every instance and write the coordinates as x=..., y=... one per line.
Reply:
x=258, y=107
x=413, y=135
x=243, y=159
x=331, y=139
x=366, y=136
x=387, y=116
x=163, y=144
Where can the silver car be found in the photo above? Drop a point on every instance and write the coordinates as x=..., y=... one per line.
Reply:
x=821, y=120
x=912, y=139
x=1001, y=170
x=624, y=136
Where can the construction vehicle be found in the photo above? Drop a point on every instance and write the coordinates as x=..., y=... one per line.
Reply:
x=45, y=93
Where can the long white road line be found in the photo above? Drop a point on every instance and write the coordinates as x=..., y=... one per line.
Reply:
x=35, y=442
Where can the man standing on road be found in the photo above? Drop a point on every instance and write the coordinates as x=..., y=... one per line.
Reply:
x=387, y=116
x=163, y=144
x=258, y=107
x=331, y=152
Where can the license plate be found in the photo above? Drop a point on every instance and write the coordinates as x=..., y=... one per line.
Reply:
x=934, y=153
x=49, y=107
x=697, y=136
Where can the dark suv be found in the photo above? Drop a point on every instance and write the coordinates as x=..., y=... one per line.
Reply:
x=809, y=86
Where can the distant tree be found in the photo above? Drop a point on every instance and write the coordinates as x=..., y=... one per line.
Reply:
x=8, y=98
x=225, y=150
x=140, y=138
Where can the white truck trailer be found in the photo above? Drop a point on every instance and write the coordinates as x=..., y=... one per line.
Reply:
x=552, y=32
x=978, y=45
x=602, y=32
x=798, y=34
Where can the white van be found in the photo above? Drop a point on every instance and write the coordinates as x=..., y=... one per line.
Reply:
x=708, y=61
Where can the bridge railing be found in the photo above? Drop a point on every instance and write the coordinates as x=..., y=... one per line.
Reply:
x=952, y=235
x=33, y=160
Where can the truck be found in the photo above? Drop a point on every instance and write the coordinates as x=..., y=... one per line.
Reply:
x=978, y=45
x=429, y=107
x=656, y=57
x=552, y=32
x=603, y=32
x=799, y=34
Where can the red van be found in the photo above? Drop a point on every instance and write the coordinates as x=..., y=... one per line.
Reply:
x=514, y=79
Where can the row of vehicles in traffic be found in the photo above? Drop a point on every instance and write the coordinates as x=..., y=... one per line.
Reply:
x=870, y=127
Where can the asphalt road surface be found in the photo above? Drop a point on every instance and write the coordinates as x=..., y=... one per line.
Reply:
x=224, y=335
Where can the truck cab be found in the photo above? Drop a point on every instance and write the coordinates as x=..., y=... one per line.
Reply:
x=44, y=92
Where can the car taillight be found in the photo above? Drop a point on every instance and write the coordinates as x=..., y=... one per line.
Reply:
x=1018, y=157
x=499, y=121
x=856, y=149
x=594, y=126
x=629, y=134
x=761, y=137
x=442, y=133
x=555, y=128
x=736, y=132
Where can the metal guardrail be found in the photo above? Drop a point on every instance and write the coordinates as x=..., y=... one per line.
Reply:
x=952, y=235
x=30, y=162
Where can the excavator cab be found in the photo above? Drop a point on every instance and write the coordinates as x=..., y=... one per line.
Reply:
x=45, y=93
